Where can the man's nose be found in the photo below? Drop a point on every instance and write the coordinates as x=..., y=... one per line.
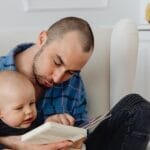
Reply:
x=58, y=76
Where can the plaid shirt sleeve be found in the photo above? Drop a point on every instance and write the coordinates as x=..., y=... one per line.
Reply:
x=68, y=97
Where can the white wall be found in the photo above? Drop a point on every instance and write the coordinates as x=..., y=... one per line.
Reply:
x=13, y=15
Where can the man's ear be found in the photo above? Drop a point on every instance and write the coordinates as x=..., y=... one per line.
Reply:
x=42, y=38
x=1, y=114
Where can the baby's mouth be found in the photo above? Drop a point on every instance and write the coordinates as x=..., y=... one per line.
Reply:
x=27, y=121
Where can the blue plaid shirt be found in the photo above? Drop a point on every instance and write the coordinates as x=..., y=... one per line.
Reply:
x=68, y=97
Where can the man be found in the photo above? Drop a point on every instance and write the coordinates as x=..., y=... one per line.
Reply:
x=53, y=64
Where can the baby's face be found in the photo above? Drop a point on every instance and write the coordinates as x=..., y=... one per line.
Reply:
x=19, y=109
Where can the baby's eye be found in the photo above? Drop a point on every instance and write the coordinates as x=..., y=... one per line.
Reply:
x=19, y=108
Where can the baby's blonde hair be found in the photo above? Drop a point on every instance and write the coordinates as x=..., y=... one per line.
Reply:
x=12, y=81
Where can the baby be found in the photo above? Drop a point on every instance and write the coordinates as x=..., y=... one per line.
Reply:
x=17, y=104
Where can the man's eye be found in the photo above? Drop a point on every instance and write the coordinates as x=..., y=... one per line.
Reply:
x=57, y=63
x=32, y=103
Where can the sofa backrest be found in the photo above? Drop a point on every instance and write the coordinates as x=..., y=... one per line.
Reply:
x=96, y=74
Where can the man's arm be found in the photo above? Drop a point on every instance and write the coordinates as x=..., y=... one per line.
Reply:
x=68, y=97
x=14, y=142
x=80, y=112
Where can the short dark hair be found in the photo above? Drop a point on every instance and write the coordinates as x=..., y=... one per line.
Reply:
x=67, y=24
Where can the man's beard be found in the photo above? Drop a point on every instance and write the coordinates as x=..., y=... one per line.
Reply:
x=37, y=77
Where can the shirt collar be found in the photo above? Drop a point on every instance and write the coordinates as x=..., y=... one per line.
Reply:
x=11, y=55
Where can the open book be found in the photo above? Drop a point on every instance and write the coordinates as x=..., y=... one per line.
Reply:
x=51, y=132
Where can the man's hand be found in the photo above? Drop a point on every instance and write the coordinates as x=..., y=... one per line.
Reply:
x=62, y=118
x=14, y=143
x=78, y=144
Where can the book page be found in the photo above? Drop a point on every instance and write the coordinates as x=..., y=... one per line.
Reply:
x=51, y=132
x=95, y=121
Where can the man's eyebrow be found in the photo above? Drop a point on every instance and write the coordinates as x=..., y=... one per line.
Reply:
x=62, y=62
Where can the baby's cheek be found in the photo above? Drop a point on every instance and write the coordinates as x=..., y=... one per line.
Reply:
x=13, y=121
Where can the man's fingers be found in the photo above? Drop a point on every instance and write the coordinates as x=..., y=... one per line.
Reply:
x=70, y=119
x=63, y=144
x=62, y=118
x=66, y=119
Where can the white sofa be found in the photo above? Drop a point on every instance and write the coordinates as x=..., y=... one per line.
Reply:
x=105, y=76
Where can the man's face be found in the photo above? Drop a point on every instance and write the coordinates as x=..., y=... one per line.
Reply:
x=58, y=61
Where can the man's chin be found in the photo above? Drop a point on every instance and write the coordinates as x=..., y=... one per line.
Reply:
x=43, y=85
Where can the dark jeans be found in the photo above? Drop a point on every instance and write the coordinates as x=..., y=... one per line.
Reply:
x=127, y=129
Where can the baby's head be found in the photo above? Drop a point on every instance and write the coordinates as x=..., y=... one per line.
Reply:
x=17, y=100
